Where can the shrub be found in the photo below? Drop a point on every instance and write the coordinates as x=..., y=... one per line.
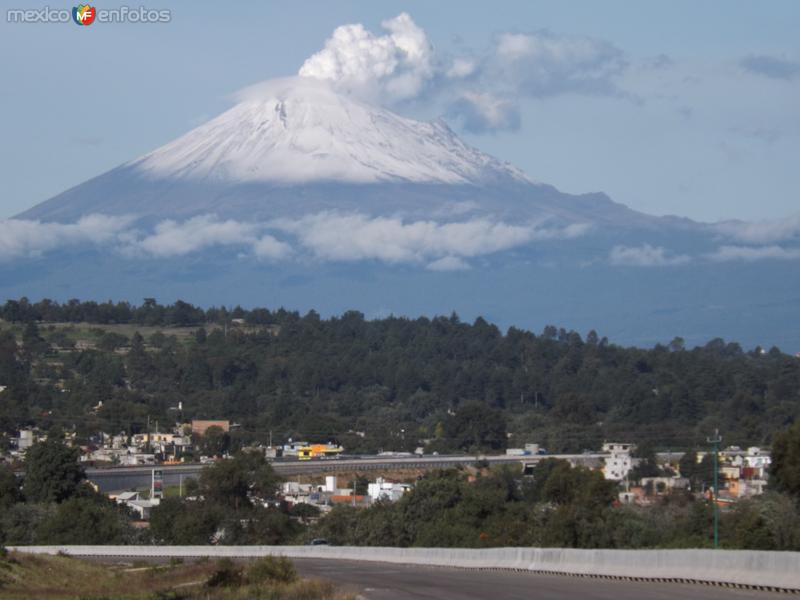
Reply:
x=272, y=569
x=226, y=574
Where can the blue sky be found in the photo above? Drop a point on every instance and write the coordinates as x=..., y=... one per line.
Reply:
x=673, y=108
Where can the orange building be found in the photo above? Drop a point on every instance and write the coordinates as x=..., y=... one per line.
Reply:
x=318, y=451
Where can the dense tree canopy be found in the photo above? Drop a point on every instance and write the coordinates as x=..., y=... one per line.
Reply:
x=398, y=381
x=474, y=426
x=556, y=506
x=91, y=519
x=234, y=482
x=785, y=470
x=231, y=505
x=9, y=487
x=52, y=472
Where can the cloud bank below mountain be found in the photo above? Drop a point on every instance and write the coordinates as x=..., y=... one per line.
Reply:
x=436, y=245
x=324, y=237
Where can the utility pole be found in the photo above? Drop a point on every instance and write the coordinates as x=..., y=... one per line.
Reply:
x=715, y=441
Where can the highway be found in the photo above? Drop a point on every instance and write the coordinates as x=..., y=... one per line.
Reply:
x=113, y=479
x=499, y=573
x=376, y=581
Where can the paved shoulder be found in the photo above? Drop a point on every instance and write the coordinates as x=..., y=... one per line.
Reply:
x=381, y=581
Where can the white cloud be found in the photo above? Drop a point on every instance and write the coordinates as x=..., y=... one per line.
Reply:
x=645, y=256
x=754, y=253
x=448, y=263
x=546, y=64
x=461, y=68
x=26, y=239
x=402, y=64
x=568, y=232
x=270, y=248
x=762, y=232
x=396, y=65
x=21, y=238
x=353, y=237
x=538, y=65
x=172, y=238
x=480, y=113
x=324, y=236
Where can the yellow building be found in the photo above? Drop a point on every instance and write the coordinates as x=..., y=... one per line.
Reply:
x=318, y=451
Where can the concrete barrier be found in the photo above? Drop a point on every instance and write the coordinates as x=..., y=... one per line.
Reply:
x=754, y=569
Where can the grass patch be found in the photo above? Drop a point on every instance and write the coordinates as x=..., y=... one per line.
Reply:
x=24, y=576
x=92, y=332
x=271, y=569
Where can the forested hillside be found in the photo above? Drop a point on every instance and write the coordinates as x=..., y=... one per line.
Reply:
x=378, y=384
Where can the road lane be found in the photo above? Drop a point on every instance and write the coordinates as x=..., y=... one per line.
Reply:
x=115, y=479
x=381, y=581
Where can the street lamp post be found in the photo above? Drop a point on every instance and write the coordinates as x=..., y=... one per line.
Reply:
x=715, y=441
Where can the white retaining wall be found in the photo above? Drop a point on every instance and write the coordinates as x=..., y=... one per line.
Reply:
x=736, y=567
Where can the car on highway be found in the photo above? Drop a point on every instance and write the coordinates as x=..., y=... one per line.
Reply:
x=319, y=542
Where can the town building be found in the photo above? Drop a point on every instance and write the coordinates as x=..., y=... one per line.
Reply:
x=133, y=500
x=386, y=490
x=619, y=461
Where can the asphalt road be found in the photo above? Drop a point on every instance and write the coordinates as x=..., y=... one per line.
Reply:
x=111, y=479
x=376, y=581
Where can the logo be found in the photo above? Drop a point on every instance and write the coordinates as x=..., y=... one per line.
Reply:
x=83, y=14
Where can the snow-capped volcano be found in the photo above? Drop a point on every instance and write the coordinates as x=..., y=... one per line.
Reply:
x=298, y=130
x=304, y=197
x=295, y=146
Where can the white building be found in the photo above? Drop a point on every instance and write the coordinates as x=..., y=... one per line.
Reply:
x=751, y=487
x=143, y=439
x=26, y=439
x=756, y=458
x=291, y=448
x=297, y=493
x=386, y=490
x=619, y=461
x=133, y=460
x=295, y=488
x=136, y=503
x=665, y=484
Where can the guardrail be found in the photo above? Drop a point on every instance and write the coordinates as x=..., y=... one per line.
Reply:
x=740, y=568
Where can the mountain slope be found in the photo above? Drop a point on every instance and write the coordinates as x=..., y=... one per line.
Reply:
x=298, y=130
x=293, y=146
